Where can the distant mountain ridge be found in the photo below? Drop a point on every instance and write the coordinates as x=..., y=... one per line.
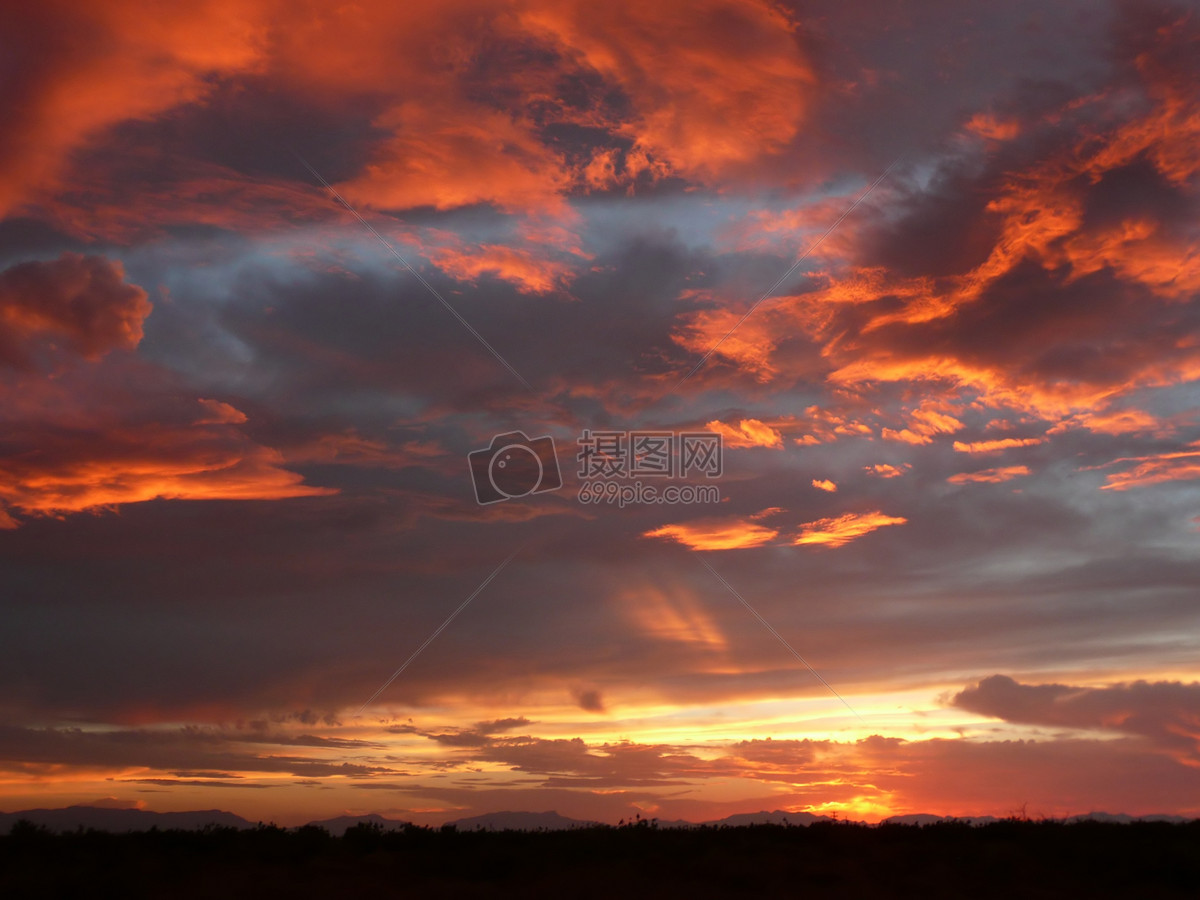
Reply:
x=776, y=817
x=103, y=818
x=528, y=821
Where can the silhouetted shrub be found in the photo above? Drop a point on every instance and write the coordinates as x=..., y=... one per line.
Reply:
x=1008, y=858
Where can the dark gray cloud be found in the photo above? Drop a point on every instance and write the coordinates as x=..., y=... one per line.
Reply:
x=1167, y=712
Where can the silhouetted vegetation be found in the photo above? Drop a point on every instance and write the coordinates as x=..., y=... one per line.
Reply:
x=1011, y=858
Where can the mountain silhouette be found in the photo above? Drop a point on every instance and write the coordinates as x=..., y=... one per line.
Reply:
x=108, y=819
x=102, y=818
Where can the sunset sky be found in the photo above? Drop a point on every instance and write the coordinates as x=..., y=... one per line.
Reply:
x=270, y=271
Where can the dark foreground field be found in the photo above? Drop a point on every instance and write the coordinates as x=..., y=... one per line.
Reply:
x=1005, y=859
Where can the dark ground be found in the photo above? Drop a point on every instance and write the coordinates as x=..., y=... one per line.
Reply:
x=1004, y=859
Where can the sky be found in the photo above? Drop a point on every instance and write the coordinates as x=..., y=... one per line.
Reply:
x=271, y=272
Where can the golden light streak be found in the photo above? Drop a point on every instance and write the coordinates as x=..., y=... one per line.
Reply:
x=994, y=445
x=729, y=534
x=841, y=530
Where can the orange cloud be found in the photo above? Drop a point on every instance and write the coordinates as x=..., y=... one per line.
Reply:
x=824, y=485
x=1150, y=470
x=478, y=155
x=987, y=125
x=147, y=463
x=989, y=476
x=884, y=470
x=455, y=122
x=218, y=413
x=768, y=229
x=116, y=63
x=1040, y=226
x=1166, y=134
x=839, y=531
x=62, y=457
x=702, y=103
x=1139, y=252
x=924, y=423
x=994, y=384
x=825, y=426
x=696, y=106
x=747, y=433
x=749, y=344
x=531, y=273
x=441, y=142
x=726, y=534
x=994, y=445
x=906, y=435
x=1123, y=421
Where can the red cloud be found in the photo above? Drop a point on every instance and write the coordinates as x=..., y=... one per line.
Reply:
x=114, y=63
x=79, y=303
x=987, y=125
x=729, y=87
